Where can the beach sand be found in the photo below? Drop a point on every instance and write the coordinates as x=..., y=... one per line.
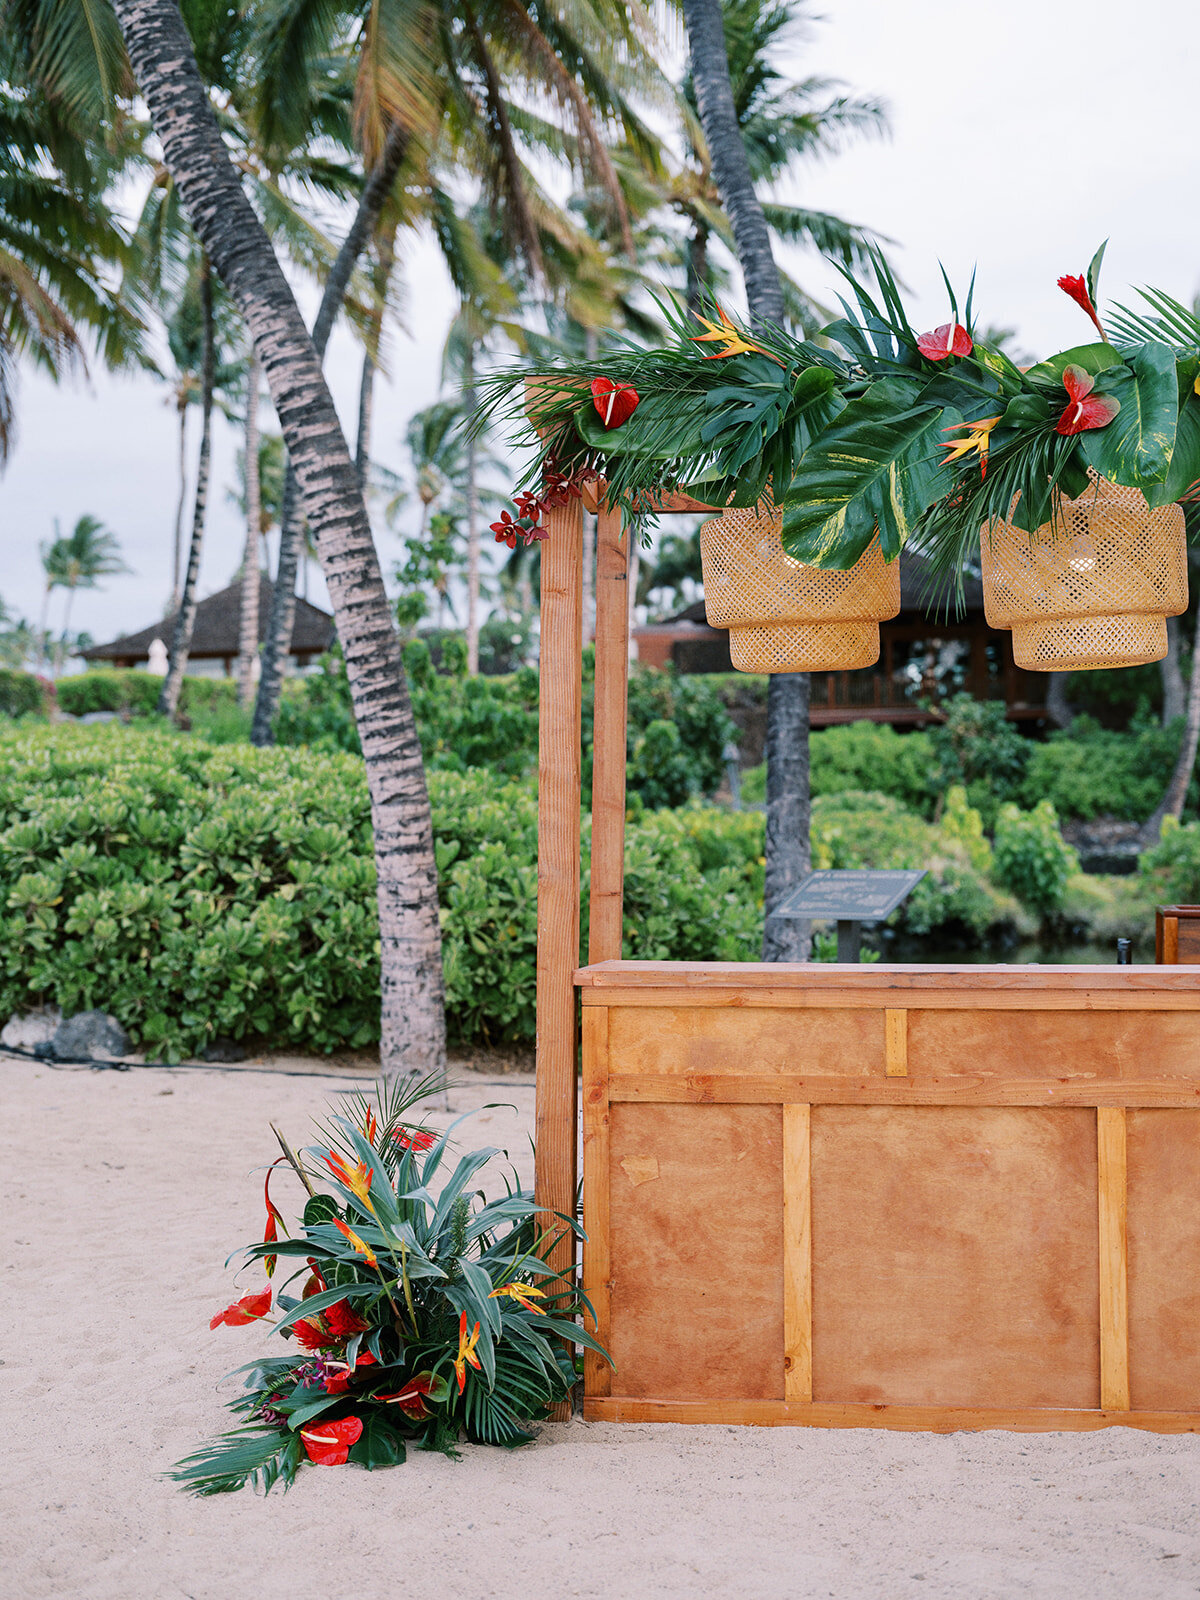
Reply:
x=124, y=1193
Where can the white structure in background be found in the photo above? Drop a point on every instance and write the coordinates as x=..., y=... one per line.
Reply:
x=157, y=658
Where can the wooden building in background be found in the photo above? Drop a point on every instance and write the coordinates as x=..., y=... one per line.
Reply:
x=929, y=652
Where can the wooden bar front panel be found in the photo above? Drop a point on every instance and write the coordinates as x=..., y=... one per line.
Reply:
x=954, y=1255
x=906, y=1197
x=696, y=1251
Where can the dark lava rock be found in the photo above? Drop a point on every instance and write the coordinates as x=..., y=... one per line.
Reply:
x=90, y=1036
x=224, y=1049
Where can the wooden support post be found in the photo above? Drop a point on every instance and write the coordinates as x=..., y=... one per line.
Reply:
x=560, y=690
x=608, y=739
x=797, y=1253
x=597, y=1271
x=1114, y=1295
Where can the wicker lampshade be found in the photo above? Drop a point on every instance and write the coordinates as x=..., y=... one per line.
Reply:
x=784, y=616
x=1094, y=587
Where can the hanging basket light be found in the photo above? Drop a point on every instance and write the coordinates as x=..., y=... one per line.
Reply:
x=784, y=616
x=1091, y=588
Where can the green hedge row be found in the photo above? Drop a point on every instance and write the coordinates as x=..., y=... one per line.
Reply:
x=197, y=890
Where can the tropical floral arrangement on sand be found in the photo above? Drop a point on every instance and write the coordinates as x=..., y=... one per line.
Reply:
x=422, y=1313
x=871, y=426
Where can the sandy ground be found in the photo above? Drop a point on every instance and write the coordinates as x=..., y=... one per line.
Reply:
x=123, y=1195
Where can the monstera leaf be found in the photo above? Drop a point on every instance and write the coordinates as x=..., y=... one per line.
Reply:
x=662, y=427
x=877, y=465
x=1184, y=470
x=1135, y=447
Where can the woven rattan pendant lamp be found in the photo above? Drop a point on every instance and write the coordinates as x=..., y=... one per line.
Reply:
x=1093, y=587
x=784, y=616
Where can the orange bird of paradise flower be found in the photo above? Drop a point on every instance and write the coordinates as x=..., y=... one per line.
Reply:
x=356, y=1179
x=363, y=1249
x=521, y=1292
x=976, y=439
x=466, y=1351
x=725, y=331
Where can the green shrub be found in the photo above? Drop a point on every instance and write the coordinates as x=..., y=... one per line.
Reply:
x=23, y=694
x=125, y=693
x=873, y=830
x=872, y=756
x=978, y=748
x=1089, y=771
x=1031, y=857
x=1169, y=874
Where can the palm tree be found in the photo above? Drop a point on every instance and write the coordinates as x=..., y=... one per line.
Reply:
x=88, y=553
x=412, y=1016
x=788, y=848
x=782, y=123
x=454, y=78
x=59, y=243
x=248, y=605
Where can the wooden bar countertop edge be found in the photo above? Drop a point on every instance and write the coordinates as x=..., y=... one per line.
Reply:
x=879, y=979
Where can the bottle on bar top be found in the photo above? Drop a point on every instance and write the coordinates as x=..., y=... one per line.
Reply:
x=1124, y=952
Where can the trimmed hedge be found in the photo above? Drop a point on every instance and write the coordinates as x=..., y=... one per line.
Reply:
x=23, y=694
x=197, y=890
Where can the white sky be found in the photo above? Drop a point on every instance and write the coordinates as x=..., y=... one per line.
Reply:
x=1025, y=133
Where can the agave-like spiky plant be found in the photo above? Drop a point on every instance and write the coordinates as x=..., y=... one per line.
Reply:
x=423, y=1312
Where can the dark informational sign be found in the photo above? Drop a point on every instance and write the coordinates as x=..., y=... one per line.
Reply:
x=849, y=895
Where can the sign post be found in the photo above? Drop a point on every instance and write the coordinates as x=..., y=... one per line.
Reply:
x=849, y=897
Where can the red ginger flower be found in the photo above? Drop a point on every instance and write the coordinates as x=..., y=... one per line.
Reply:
x=1078, y=290
x=250, y=1308
x=615, y=403
x=328, y=1443
x=312, y=1335
x=951, y=339
x=1083, y=412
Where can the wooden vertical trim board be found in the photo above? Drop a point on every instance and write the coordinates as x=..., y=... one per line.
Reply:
x=597, y=1274
x=1170, y=941
x=797, y=1252
x=895, y=1044
x=560, y=692
x=608, y=740
x=1114, y=1295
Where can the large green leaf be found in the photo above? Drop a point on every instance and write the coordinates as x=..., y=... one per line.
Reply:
x=378, y=1445
x=877, y=465
x=1184, y=470
x=662, y=427
x=1135, y=448
x=1093, y=358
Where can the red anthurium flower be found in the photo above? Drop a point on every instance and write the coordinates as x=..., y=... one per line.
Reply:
x=951, y=339
x=1085, y=409
x=250, y=1308
x=338, y=1373
x=414, y=1139
x=328, y=1443
x=615, y=403
x=411, y=1399
x=342, y=1321
x=1078, y=290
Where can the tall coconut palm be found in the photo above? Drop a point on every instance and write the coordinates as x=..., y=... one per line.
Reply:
x=452, y=76
x=78, y=561
x=59, y=243
x=788, y=848
x=412, y=1020
x=248, y=614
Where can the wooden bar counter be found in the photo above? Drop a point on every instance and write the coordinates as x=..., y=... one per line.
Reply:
x=893, y=1196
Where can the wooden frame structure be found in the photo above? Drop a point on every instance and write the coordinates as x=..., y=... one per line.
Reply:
x=911, y=1197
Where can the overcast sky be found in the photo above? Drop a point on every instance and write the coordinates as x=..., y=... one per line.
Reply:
x=1024, y=134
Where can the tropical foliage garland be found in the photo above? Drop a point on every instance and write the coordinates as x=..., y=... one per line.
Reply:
x=421, y=1317
x=873, y=426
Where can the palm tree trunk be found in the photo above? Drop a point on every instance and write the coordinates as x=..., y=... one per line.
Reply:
x=1174, y=693
x=697, y=266
x=185, y=616
x=277, y=644
x=366, y=404
x=177, y=557
x=472, y=467
x=1172, y=802
x=248, y=600
x=44, y=627
x=788, y=850
x=413, y=1018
